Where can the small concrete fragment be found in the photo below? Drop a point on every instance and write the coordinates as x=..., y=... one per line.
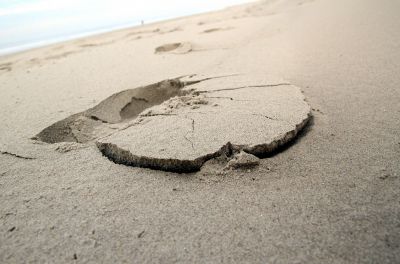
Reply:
x=242, y=160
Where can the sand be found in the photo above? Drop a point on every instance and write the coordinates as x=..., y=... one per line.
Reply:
x=330, y=196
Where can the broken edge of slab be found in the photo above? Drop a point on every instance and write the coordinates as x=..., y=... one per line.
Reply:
x=125, y=157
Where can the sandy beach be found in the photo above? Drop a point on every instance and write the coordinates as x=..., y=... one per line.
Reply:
x=263, y=133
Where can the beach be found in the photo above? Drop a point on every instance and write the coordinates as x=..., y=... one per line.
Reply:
x=325, y=189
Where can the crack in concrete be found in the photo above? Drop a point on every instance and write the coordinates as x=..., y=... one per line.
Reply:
x=158, y=114
x=221, y=97
x=230, y=98
x=201, y=113
x=243, y=87
x=16, y=155
x=267, y=117
x=188, y=83
x=270, y=118
x=192, y=131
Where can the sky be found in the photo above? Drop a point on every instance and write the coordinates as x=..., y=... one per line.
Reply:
x=28, y=23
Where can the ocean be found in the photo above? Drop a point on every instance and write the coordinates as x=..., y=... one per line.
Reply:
x=26, y=24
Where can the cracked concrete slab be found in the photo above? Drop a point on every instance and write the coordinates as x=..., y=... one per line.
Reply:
x=185, y=131
x=179, y=124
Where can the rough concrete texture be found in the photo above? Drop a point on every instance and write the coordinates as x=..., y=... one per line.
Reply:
x=185, y=131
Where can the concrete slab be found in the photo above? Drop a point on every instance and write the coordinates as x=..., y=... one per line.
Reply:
x=185, y=131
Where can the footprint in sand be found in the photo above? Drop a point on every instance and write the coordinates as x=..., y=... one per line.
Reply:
x=105, y=117
x=175, y=48
x=142, y=32
x=6, y=66
x=62, y=55
x=211, y=30
x=90, y=45
x=305, y=2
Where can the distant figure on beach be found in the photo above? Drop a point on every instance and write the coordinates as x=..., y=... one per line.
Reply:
x=142, y=22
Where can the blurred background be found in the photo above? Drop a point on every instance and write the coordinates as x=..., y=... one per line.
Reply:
x=29, y=23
